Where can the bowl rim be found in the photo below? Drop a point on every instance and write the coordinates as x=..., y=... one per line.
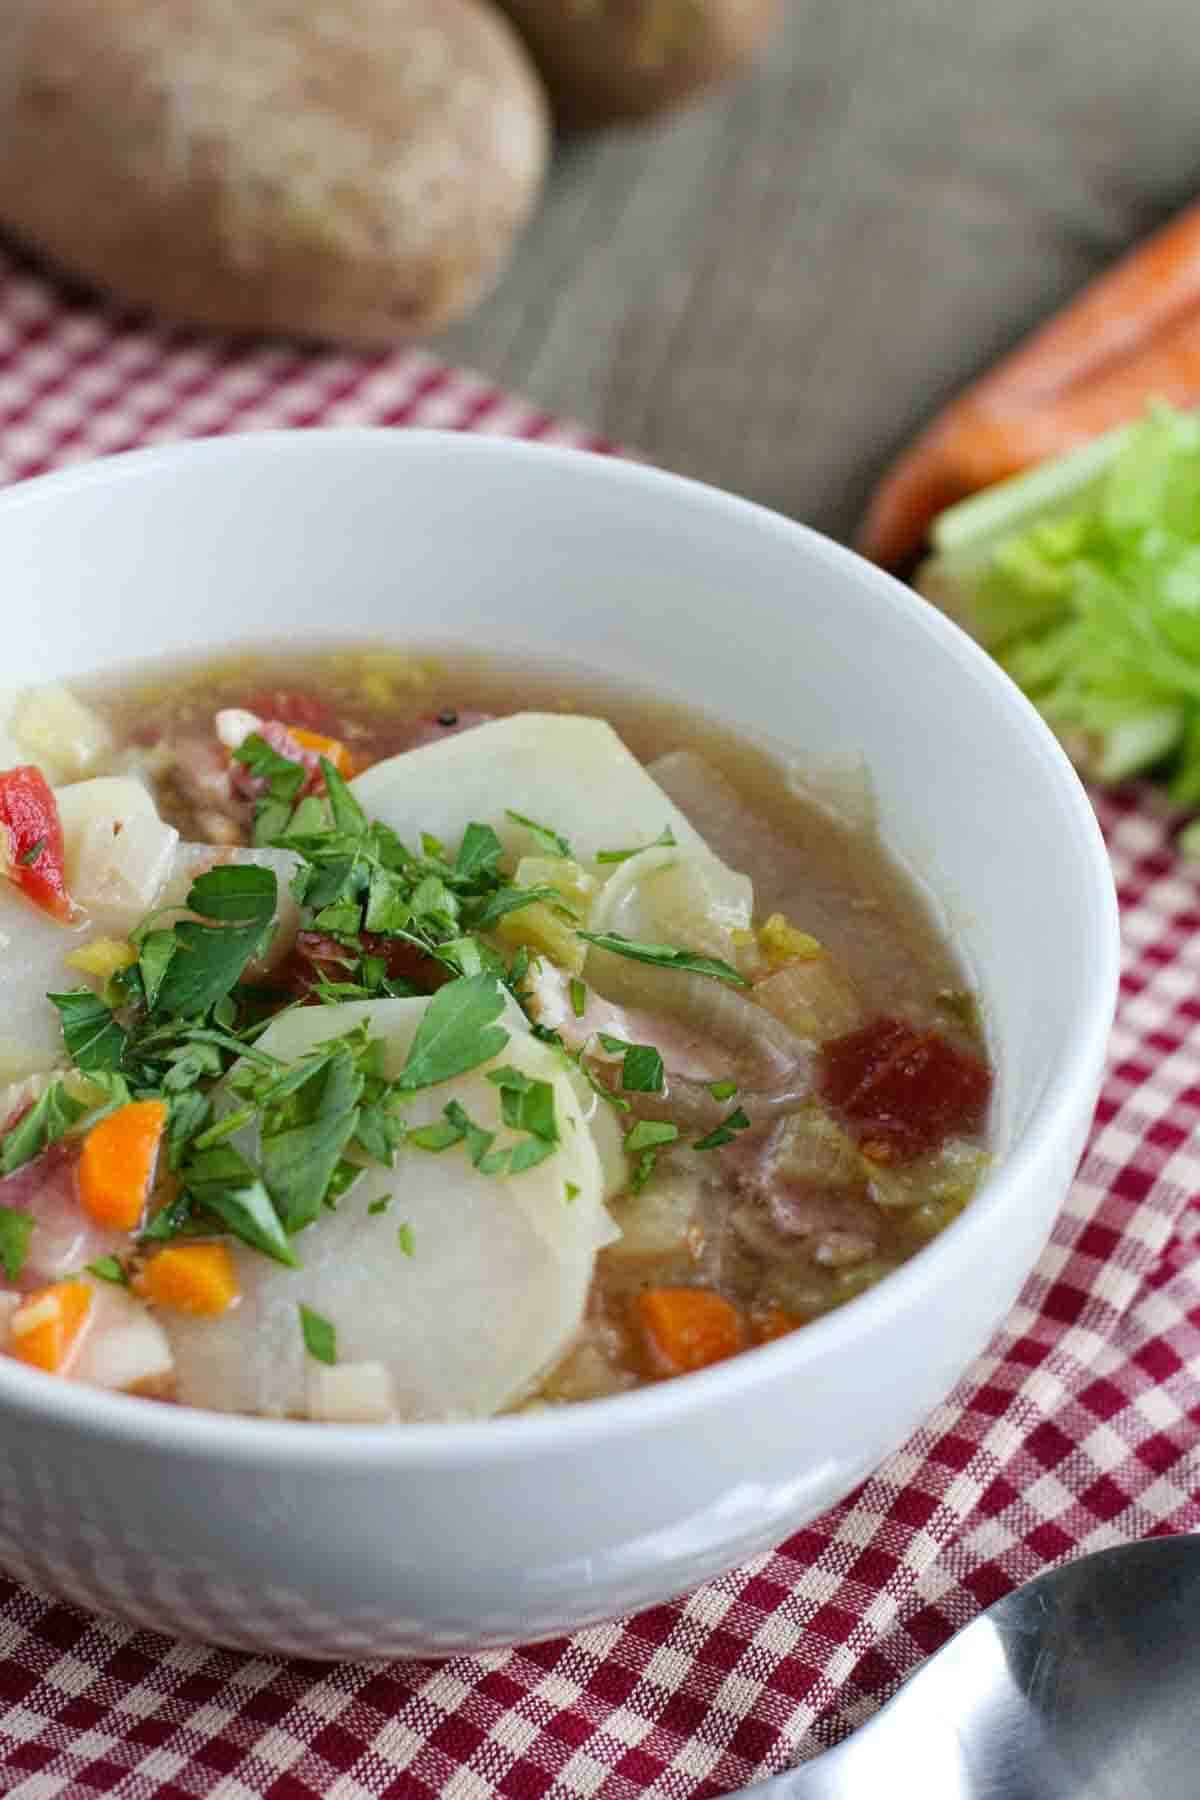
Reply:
x=197, y=1434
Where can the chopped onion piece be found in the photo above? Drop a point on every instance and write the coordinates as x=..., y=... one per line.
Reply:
x=64, y=737
x=359, y=1393
x=124, y=1347
x=234, y=725
x=118, y=852
x=685, y=898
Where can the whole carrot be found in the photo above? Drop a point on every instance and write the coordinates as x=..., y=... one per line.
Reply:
x=1132, y=336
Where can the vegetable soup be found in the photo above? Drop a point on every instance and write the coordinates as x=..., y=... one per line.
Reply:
x=399, y=1036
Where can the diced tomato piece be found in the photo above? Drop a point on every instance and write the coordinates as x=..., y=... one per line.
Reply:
x=34, y=859
x=295, y=707
x=902, y=1091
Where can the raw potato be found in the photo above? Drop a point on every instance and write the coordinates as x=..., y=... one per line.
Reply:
x=604, y=60
x=353, y=171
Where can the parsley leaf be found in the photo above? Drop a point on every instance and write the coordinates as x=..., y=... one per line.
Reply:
x=320, y=1338
x=284, y=779
x=458, y=1031
x=526, y=1104
x=241, y=892
x=107, y=1268
x=206, y=960
x=643, y=1171
x=441, y=1135
x=49, y=1119
x=578, y=991
x=664, y=956
x=642, y=1071
x=478, y=856
x=478, y=1141
x=16, y=1229
x=28, y=857
x=348, y=815
x=551, y=842
x=722, y=1090
x=169, y=1220
x=155, y=953
x=526, y=1154
x=206, y=965
x=648, y=1134
x=512, y=899
x=665, y=842
x=641, y=1068
x=725, y=1132
x=223, y=1183
x=93, y=1038
x=404, y=1237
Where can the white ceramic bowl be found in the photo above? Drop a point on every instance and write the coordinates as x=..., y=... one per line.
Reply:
x=391, y=1541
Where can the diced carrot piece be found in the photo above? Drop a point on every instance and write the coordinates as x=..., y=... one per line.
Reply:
x=116, y=1169
x=331, y=748
x=47, y=1325
x=773, y=1323
x=687, y=1328
x=191, y=1278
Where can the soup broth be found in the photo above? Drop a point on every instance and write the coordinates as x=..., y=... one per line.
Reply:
x=438, y=1036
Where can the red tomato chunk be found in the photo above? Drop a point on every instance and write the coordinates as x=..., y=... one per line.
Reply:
x=902, y=1091
x=33, y=839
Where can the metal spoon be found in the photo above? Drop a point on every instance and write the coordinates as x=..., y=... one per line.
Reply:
x=1082, y=1685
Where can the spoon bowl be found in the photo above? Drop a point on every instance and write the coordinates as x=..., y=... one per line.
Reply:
x=1082, y=1685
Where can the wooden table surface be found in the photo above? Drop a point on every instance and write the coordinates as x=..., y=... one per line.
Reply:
x=772, y=290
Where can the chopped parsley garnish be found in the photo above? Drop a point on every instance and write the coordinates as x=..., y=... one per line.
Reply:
x=479, y=854
x=284, y=780
x=320, y=1338
x=644, y=1141
x=107, y=1268
x=665, y=842
x=16, y=1229
x=206, y=960
x=458, y=1031
x=649, y=1134
x=526, y=1104
x=571, y=1191
x=725, y=1132
x=664, y=956
x=258, y=1148
x=722, y=1090
x=28, y=857
x=521, y=1100
x=642, y=1066
x=551, y=842
x=47, y=1120
x=405, y=1239
x=224, y=1184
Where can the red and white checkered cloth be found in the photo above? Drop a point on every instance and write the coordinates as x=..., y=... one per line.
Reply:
x=1080, y=1428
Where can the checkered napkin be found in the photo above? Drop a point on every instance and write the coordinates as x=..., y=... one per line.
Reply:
x=1079, y=1428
